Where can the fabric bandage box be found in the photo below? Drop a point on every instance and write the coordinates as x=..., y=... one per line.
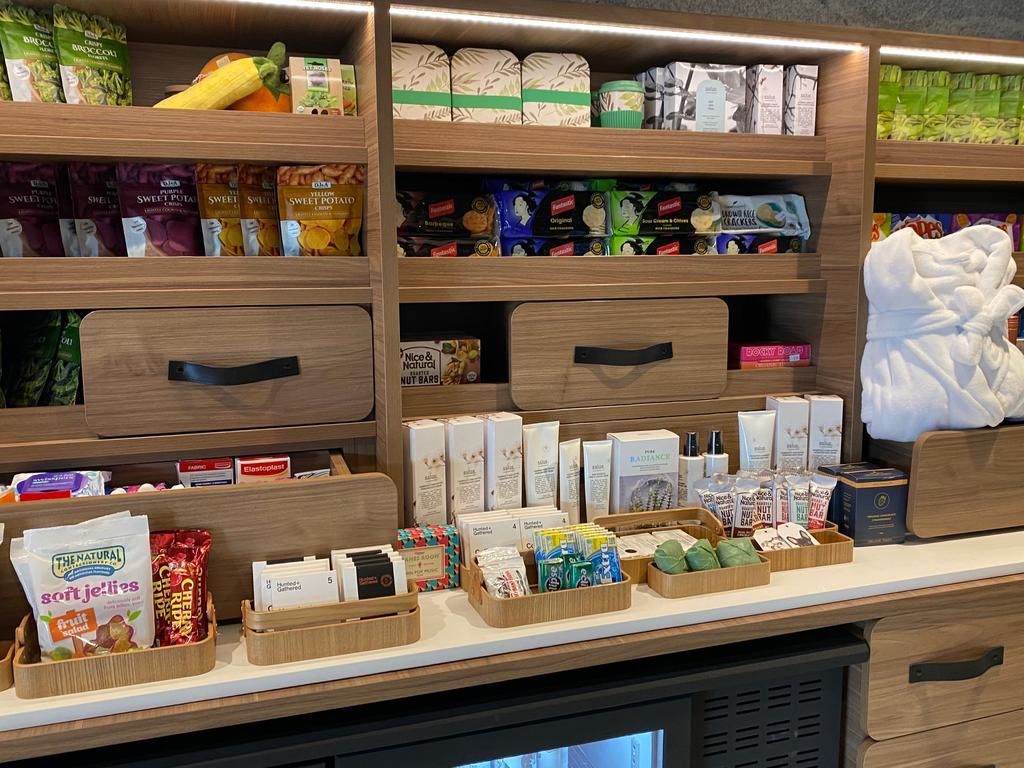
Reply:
x=486, y=87
x=198, y=472
x=556, y=89
x=421, y=82
x=262, y=469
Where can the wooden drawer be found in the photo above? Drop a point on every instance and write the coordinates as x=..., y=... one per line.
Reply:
x=941, y=667
x=162, y=371
x=566, y=354
x=994, y=742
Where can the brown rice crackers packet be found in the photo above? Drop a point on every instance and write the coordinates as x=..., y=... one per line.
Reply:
x=321, y=209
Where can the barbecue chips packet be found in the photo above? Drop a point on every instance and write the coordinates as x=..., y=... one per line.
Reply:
x=89, y=586
x=321, y=209
x=93, y=55
x=26, y=37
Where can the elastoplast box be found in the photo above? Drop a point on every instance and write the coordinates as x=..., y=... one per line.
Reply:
x=262, y=469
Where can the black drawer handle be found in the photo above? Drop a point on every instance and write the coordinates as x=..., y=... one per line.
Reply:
x=197, y=373
x=623, y=357
x=944, y=671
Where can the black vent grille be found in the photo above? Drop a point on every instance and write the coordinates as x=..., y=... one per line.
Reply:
x=794, y=724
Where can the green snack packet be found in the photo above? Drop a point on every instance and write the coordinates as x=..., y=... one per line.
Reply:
x=909, y=118
x=961, y=107
x=888, y=95
x=5, y=87
x=26, y=36
x=35, y=361
x=67, y=366
x=734, y=552
x=1010, y=99
x=701, y=557
x=93, y=56
x=985, y=122
x=936, y=105
x=670, y=557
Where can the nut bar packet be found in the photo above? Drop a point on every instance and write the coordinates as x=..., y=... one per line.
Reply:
x=257, y=206
x=321, y=209
x=217, y=191
x=29, y=219
x=159, y=209
x=96, y=210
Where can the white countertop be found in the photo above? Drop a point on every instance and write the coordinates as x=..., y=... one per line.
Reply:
x=452, y=630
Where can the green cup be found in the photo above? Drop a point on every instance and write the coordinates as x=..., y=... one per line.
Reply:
x=622, y=104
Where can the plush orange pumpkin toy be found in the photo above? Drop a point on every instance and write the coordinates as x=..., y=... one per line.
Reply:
x=274, y=96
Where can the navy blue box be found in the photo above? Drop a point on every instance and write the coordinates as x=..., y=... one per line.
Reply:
x=835, y=470
x=872, y=506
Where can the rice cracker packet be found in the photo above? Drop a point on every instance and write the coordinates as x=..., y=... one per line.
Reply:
x=257, y=205
x=321, y=209
x=217, y=192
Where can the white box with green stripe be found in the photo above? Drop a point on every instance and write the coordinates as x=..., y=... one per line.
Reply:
x=421, y=82
x=486, y=87
x=556, y=89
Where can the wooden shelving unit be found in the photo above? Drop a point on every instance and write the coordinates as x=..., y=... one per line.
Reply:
x=925, y=162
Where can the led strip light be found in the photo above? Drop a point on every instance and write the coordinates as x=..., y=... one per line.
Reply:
x=313, y=5
x=944, y=55
x=623, y=29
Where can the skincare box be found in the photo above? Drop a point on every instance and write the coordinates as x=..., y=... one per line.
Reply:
x=464, y=462
x=426, y=495
x=764, y=99
x=486, y=87
x=198, y=472
x=429, y=361
x=705, y=97
x=431, y=555
x=503, y=450
x=645, y=470
x=872, y=506
x=800, y=99
x=556, y=89
x=824, y=430
x=653, y=81
x=421, y=82
x=262, y=469
x=791, y=415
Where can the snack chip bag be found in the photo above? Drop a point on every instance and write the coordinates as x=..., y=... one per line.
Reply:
x=97, y=212
x=257, y=206
x=217, y=190
x=29, y=218
x=26, y=37
x=89, y=585
x=321, y=209
x=159, y=209
x=93, y=55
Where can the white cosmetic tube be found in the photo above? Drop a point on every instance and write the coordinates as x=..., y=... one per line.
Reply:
x=597, y=471
x=757, y=433
x=569, y=479
x=540, y=449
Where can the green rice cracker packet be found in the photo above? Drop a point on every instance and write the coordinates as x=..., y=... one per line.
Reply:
x=909, y=118
x=985, y=123
x=34, y=358
x=961, y=107
x=735, y=552
x=26, y=36
x=5, y=87
x=701, y=557
x=66, y=373
x=936, y=105
x=888, y=95
x=93, y=55
x=1010, y=99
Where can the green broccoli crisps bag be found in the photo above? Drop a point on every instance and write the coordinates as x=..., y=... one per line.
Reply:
x=1008, y=128
x=909, y=118
x=34, y=360
x=66, y=372
x=961, y=107
x=987, y=90
x=26, y=36
x=5, y=87
x=936, y=105
x=93, y=55
x=888, y=95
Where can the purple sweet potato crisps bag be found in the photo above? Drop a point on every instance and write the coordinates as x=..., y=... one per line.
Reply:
x=96, y=208
x=29, y=222
x=159, y=209
x=1008, y=222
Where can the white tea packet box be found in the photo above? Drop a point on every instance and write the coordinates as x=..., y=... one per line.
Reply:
x=426, y=494
x=485, y=534
x=653, y=81
x=556, y=89
x=464, y=461
x=503, y=458
x=487, y=86
x=299, y=589
x=421, y=82
x=789, y=452
x=764, y=99
x=825, y=430
x=531, y=520
x=705, y=97
x=645, y=470
x=800, y=94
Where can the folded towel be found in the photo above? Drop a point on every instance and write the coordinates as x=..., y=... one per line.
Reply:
x=937, y=356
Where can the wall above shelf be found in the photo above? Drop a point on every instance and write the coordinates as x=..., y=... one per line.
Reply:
x=78, y=132
x=423, y=145
x=925, y=162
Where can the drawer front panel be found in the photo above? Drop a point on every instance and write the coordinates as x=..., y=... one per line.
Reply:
x=994, y=742
x=942, y=667
x=163, y=371
x=567, y=354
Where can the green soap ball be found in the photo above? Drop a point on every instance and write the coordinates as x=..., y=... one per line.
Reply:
x=701, y=557
x=733, y=552
x=670, y=557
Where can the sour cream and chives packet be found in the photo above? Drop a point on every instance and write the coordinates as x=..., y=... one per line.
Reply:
x=90, y=585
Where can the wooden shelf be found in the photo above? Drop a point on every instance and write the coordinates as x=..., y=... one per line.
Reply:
x=423, y=145
x=116, y=283
x=539, y=278
x=922, y=161
x=77, y=132
x=745, y=390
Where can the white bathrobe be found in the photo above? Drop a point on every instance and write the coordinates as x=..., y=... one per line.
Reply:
x=937, y=356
